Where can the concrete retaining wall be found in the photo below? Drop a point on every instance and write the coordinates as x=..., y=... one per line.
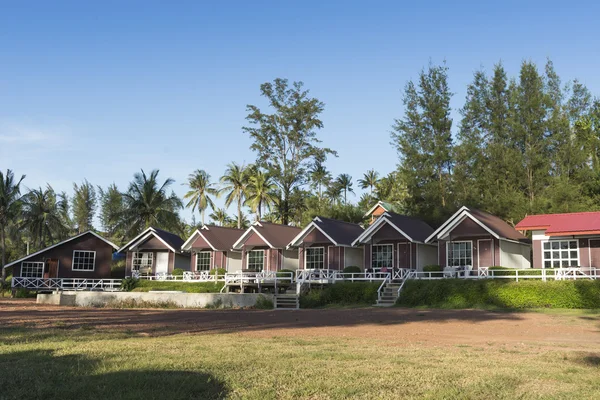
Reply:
x=183, y=300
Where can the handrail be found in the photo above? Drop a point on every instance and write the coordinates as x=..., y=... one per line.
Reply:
x=380, y=289
x=65, y=283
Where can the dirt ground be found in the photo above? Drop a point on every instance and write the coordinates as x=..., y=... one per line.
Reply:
x=387, y=325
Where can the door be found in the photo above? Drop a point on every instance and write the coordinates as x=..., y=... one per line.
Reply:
x=594, y=253
x=485, y=252
x=51, y=268
x=404, y=255
x=162, y=262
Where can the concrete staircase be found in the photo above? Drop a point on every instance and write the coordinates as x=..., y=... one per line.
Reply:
x=389, y=294
x=286, y=302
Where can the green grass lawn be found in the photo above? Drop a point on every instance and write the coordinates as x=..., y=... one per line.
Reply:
x=188, y=287
x=76, y=363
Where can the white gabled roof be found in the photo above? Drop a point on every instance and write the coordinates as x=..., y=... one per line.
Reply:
x=188, y=243
x=371, y=230
x=300, y=237
x=238, y=244
x=142, y=237
x=456, y=219
x=114, y=246
x=378, y=204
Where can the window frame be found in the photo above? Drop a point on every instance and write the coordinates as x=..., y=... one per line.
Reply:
x=262, y=251
x=133, y=258
x=322, y=257
x=449, y=243
x=560, y=259
x=209, y=260
x=373, y=246
x=33, y=262
x=81, y=269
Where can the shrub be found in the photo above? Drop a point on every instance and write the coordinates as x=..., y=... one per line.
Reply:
x=352, y=269
x=486, y=293
x=187, y=287
x=128, y=284
x=25, y=294
x=117, y=269
x=342, y=293
x=262, y=303
x=177, y=272
x=285, y=273
x=504, y=271
x=433, y=268
x=217, y=271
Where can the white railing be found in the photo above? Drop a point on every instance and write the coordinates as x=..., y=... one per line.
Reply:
x=203, y=276
x=331, y=275
x=410, y=274
x=380, y=288
x=515, y=274
x=65, y=284
x=269, y=278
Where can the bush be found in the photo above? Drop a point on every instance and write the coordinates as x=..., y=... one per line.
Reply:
x=343, y=293
x=177, y=272
x=487, y=293
x=352, y=269
x=128, y=284
x=285, y=273
x=262, y=303
x=433, y=268
x=25, y=294
x=187, y=287
x=217, y=271
x=117, y=269
x=504, y=271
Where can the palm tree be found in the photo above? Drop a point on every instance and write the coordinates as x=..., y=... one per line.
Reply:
x=201, y=188
x=42, y=217
x=345, y=183
x=260, y=192
x=333, y=192
x=147, y=203
x=10, y=204
x=319, y=177
x=234, y=183
x=220, y=216
x=233, y=223
x=369, y=180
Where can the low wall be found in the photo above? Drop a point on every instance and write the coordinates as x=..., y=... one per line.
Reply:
x=183, y=300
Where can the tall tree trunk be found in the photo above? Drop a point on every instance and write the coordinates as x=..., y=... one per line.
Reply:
x=3, y=244
x=239, y=224
x=259, y=214
x=202, y=215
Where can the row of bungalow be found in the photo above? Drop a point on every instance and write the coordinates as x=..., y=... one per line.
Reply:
x=469, y=239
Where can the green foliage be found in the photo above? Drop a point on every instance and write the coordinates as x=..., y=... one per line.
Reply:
x=201, y=190
x=286, y=141
x=177, y=272
x=285, y=272
x=352, y=269
x=432, y=268
x=84, y=205
x=25, y=294
x=117, y=269
x=343, y=293
x=147, y=202
x=217, y=271
x=262, y=303
x=128, y=284
x=487, y=293
x=503, y=271
x=138, y=303
x=187, y=287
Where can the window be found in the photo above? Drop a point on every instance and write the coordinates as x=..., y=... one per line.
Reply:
x=142, y=261
x=382, y=255
x=84, y=260
x=203, y=261
x=460, y=254
x=31, y=269
x=561, y=254
x=314, y=258
x=256, y=260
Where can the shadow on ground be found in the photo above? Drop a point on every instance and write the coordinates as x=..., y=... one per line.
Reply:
x=45, y=375
x=166, y=322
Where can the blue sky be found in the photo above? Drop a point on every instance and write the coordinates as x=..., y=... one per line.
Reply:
x=99, y=91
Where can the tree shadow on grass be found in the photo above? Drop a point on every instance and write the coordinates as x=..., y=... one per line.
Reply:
x=45, y=375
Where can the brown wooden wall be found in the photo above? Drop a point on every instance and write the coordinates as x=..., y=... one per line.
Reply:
x=64, y=254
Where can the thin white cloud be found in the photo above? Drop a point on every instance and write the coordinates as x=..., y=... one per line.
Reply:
x=20, y=133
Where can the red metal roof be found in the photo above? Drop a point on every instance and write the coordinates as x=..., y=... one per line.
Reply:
x=569, y=223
